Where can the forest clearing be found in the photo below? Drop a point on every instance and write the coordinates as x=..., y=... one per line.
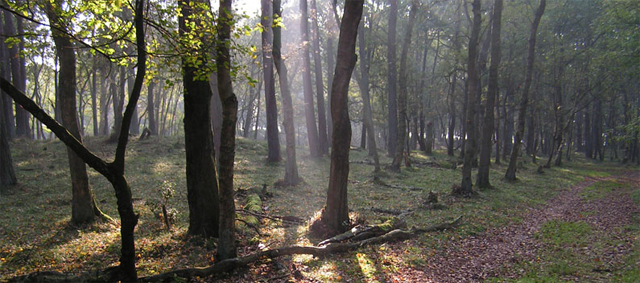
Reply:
x=578, y=222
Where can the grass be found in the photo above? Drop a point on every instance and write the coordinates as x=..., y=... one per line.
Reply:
x=36, y=235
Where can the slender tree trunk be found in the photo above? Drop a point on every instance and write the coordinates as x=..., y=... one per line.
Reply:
x=310, y=115
x=323, y=141
x=466, y=187
x=336, y=212
x=511, y=171
x=94, y=99
x=402, y=94
x=482, y=180
x=227, y=241
x=202, y=181
x=392, y=77
x=273, y=140
x=83, y=206
x=330, y=68
x=291, y=177
x=151, y=108
x=366, y=100
x=452, y=116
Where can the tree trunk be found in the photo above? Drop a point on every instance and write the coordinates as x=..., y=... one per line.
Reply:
x=452, y=116
x=18, y=72
x=273, y=140
x=336, y=212
x=402, y=94
x=466, y=187
x=507, y=133
x=392, y=100
x=94, y=99
x=323, y=141
x=7, y=174
x=310, y=115
x=151, y=108
x=522, y=114
x=366, y=100
x=482, y=180
x=227, y=241
x=291, y=177
x=202, y=182
x=83, y=205
x=5, y=72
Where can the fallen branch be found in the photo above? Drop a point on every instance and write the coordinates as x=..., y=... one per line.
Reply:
x=233, y=263
x=227, y=265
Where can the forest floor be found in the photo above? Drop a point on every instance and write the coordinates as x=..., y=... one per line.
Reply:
x=577, y=222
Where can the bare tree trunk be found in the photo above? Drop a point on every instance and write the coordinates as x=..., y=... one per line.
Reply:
x=94, y=99
x=392, y=77
x=273, y=140
x=511, y=171
x=84, y=208
x=151, y=108
x=482, y=180
x=7, y=174
x=227, y=240
x=466, y=186
x=336, y=212
x=5, y=72
x=366, y=100
x=18, y=72
x=310, y=116
x=323, y=141
x=402, y=94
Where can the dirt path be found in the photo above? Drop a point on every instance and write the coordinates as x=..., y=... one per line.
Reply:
x=495, y=252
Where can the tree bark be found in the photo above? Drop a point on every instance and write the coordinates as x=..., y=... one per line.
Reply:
x=392, y=122
x=366, y=100
x=18, y=71
x=466, y=186
x=291, y=177
x=511, y=170
x=151, y=108
x=336, y=212
x=482, y=180
x=83, y=206
x=273, y=140
x=323, y=140
x=227, y=240
x=7, y=173
x=310, y=116
x=402, y=94
x=202, y=181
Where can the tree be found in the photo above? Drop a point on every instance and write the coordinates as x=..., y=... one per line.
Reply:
x=291, y=177
x=83, y=205
x=336, y=211
x=466, y=187
x=511, y=170
x=366, y=101
x=18, y=71
x=113, y=171
x=392, y=118
x=310, y=116
x=7, y=174
x=402, y=95
x=227, y=241
x=202, y=180
x=322, y=118
x=273, y=140
x=482, y=180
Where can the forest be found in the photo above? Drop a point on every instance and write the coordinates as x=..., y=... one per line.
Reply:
x=319, y=141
